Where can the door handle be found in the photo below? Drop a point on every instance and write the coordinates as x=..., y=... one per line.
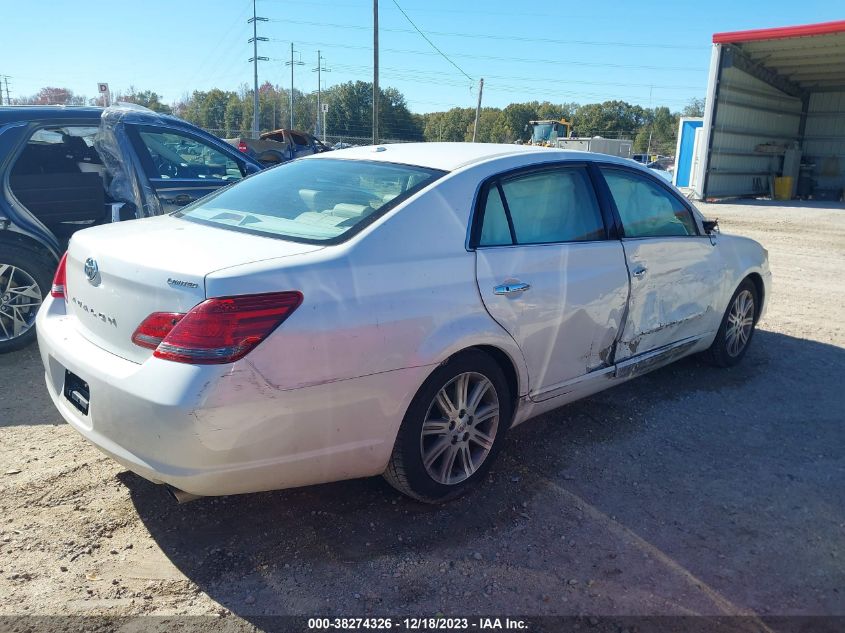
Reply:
x=639, y=271
x=512, y=288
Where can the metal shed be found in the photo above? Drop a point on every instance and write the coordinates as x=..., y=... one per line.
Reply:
x=775, y=108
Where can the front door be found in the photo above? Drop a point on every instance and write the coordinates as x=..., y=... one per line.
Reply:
x=549, y=275
x=182, y=168
x=675, y=270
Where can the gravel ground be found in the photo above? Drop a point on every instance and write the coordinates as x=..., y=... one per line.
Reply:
x=692, y=490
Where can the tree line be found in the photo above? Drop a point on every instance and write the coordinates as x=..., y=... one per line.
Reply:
x=228, y=113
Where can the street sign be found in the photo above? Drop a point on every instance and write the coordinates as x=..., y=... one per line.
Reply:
x=325, y=107
x=103, y=89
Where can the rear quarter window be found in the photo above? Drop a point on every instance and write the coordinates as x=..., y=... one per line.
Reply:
x=316, y=201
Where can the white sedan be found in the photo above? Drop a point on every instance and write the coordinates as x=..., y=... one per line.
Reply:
x=383, y=311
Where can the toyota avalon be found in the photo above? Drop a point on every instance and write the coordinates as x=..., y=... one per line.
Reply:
x=388, y=310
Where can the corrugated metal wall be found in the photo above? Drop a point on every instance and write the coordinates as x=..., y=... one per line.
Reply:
x=748, y=113
x=824, y=138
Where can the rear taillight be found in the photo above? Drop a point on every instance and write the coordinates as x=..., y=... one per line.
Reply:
x=242, y=146
x=220, y=330
x=59, y=279
x=155, y=327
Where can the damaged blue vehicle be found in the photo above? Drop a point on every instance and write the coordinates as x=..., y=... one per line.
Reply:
x=63, y=169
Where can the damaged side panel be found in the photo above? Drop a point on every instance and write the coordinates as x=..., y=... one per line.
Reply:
x=119, y=157
x=567, y=319
x=676, y=283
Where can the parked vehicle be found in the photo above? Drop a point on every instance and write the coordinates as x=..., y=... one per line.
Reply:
x=384, y=310
x=546, y=132
x=559, y=134
x=660, y=168
x=67, y=168
x=279, y=146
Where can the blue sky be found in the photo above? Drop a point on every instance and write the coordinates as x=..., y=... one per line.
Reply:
x=645, y=52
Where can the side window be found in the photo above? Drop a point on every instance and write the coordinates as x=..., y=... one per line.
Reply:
x=495, y=230
x=646, y=209
x=60, y=150
x=60, y=178
x=553, y=206
x=176, y=156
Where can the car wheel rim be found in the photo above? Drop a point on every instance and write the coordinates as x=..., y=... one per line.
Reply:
x=460, y=428
x=740, y=323
x=20, y=298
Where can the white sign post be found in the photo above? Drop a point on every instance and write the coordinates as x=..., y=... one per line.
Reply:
x=103, y=89
x=325, y=109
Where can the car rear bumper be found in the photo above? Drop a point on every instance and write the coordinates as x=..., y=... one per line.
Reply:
x=222, y=429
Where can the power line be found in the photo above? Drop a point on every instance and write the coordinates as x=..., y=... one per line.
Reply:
x=199, y=71
x=438, y=75
x=511, y=38
x=524, y=60
x=425, y=37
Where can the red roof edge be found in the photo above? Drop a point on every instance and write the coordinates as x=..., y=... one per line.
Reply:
x=779, y=33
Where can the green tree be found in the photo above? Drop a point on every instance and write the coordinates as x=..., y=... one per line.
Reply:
x=146, y=98
x=233, y=119
x=511, y=122
x=658, y=132
x=351, y=111
x=695, y=107
x=611, y=119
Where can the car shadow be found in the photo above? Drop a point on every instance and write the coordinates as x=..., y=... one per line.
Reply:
x=24, y=400
x=668, y=455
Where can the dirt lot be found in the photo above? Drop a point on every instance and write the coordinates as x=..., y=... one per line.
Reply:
x=690, y=490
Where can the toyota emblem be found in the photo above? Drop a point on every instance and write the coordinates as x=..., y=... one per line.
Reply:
x=91, y=269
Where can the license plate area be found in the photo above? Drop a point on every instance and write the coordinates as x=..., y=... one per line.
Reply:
x=77, y=392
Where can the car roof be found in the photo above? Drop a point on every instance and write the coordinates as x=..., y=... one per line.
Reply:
x=9, y=114
x=453, y=156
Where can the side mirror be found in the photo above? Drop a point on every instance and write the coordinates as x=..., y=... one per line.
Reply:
x=710, y=226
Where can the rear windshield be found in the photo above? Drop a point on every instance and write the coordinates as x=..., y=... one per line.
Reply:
x=315, y=201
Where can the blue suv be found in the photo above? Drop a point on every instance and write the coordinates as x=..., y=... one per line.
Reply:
x=63, y=169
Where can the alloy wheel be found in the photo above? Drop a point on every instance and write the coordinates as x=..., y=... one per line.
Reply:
x=740, y=323
x=460, y=428
x=20, y=298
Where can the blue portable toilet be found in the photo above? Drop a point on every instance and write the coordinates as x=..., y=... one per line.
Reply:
x=685, y=150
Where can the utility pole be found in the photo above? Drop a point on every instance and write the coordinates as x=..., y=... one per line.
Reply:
x=320, y=68
x=5, y=81
x=375, y=72
x=477, y=109
x=292, y=63
x=254, y=20
x=651, y=130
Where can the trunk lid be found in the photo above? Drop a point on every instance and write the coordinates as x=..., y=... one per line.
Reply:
x=152, y=265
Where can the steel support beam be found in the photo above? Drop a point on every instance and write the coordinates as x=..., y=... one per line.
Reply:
x=735, y=57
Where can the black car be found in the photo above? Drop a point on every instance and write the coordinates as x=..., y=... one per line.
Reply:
x=66, y=168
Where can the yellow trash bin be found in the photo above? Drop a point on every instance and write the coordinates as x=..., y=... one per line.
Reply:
x=783, y=188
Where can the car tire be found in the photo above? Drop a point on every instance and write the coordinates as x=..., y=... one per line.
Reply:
x=453, y=429
x=21, y=268
x=737, y=327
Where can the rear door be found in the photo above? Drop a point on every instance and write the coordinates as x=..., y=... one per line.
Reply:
x=675, y=269
x=182, y=167
x=549, y=272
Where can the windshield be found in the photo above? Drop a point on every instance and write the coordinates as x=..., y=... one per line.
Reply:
x=315, y=201
x=542, y=132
